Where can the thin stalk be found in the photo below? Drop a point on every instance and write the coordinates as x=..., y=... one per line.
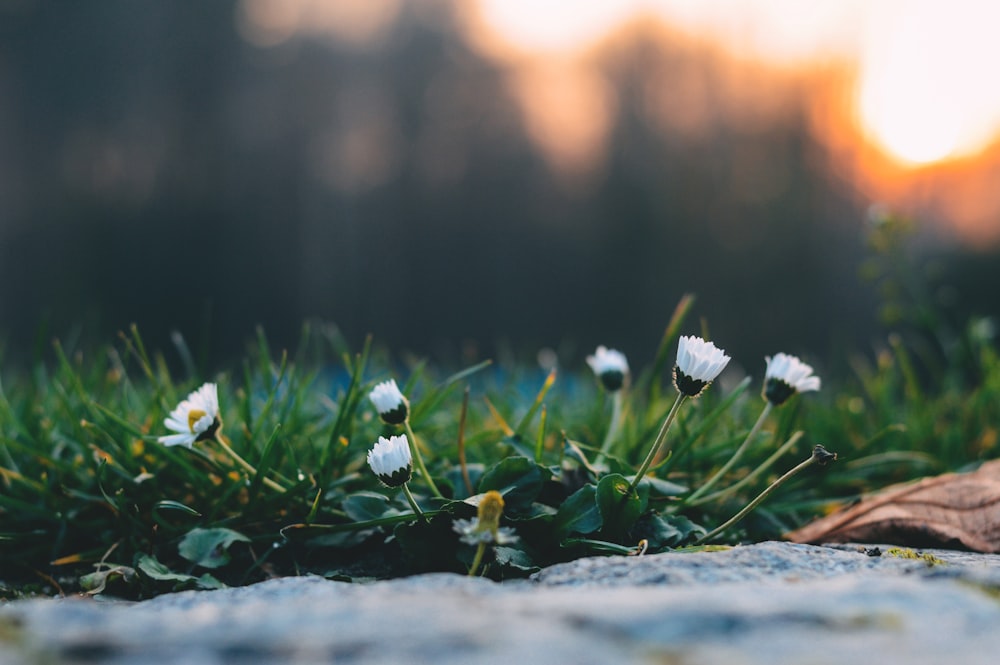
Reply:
x=710, y=483
x=540, y=438
x=223, y=441
x=418, y=458
x=413, y=502
x=462, y=462
x=660, y=438
x=820, y=455
x=478, y=559
x=613, y=427
x=750, y=477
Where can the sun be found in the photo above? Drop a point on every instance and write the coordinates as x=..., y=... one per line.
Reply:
x=925, y=91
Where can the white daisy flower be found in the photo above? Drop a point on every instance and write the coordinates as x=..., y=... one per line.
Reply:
x=698, y=363
x=785, y=376
x=391, y=461
x=610, y=366
x=194, y=419
x=393, y=408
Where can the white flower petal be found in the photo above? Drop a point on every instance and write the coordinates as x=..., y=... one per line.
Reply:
x=204, y=400
x=700, y=360
x=791, y=370
x=175, y=425
x=390, y=455
x=386, y=396
x=177, y=440
x=607, y=360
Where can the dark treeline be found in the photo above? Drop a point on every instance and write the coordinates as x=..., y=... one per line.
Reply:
x=156, y=168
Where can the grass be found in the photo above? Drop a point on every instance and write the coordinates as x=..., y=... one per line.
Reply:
x=89, y=500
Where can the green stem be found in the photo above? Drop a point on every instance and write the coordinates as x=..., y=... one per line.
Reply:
x=223, y=441
x=820, y=455
x=420, y=460
x=540, y=439
x=478, y=559
x=413, y=502
x=613, y=427
x=750, y=477
x=660, y=438
x=710, y=483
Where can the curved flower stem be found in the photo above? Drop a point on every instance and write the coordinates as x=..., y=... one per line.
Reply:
x=820, y=455
x=750, y=477
x=478, y=559
x=223, y=441
x=710, y=483
x=660, y=438
x=613, y=427
x=420, y=460
x=413, y=502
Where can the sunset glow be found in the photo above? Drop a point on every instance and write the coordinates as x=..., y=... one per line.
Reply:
x=899, y=94
x=926, y=88
x=922, y=90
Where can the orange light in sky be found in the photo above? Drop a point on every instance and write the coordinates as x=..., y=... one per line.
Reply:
x=927, y=82
x=923, y=90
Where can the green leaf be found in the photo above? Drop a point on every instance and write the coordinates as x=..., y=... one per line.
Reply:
x=661, y=487
x=591, y=546
x=619, y=508
x=365, y=506
x=208, y=548
x=666, y=531
x=511, y=557
x=539, y=398
x=167, y=504
x=154, y=570
x=518, y=479
x=268, y=457
x=578, y=514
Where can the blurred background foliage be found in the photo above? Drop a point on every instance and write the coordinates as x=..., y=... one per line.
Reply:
x=209, y=168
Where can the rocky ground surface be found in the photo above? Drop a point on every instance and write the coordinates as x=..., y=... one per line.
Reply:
x=767, y=604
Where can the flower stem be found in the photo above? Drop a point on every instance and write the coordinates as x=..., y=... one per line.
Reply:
x=420, y=460
x=413, y=502
x=613, y=427
x=710, y=483
x=223, y=441
x=478, y=559
x=750, y=477
x=660, y=438
x=820, y=455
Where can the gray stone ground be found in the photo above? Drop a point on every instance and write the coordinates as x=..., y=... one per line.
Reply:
x=766, y=604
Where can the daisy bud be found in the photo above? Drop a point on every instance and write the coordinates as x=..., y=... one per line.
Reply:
x=610, y=366
x=393, y=408
x=390, y=460
x=785, y=376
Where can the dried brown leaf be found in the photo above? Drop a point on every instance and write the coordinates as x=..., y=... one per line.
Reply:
x=955, y=510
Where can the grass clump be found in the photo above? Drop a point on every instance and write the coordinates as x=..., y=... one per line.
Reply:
x=283, y=478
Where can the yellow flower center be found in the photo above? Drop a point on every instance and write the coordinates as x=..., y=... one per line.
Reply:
x=490, y=510
x=194, y=415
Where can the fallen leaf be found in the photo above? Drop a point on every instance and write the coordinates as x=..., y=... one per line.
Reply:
x=954, y=510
